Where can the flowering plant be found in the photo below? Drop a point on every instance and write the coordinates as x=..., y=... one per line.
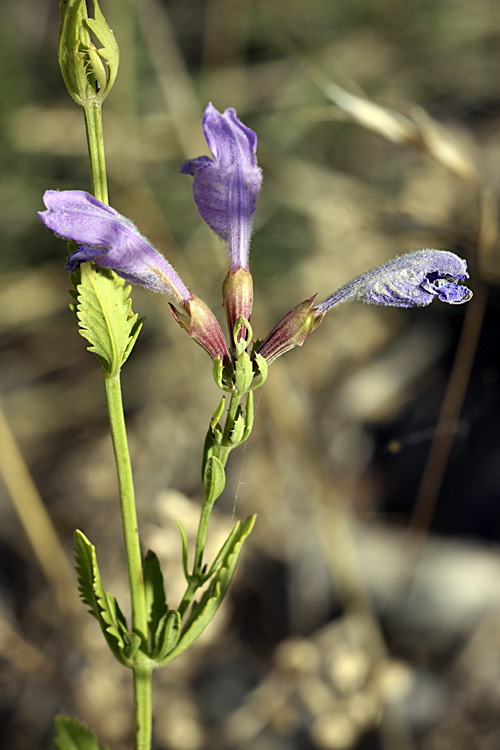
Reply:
x=107, y=250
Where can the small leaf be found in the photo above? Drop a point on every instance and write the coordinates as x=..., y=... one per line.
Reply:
x=217, y=414
x=238, y=430
x=71, y=735
x=105, y=317
x=203, y=611
x=132, y=644
x=184, y=542
x=263, y=370
x=156, y=605
x=167, y=635
x=103, y=606
x=214, y=480
x=244, y=373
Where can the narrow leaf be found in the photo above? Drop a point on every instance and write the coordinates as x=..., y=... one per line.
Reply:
x=203, y=611
x=167, y=635
x=156, y=604
x=103, y=606
x=184, y=542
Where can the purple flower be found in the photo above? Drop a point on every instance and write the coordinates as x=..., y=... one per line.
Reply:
x=411, y=280
x=109, y=239
x=226, y=187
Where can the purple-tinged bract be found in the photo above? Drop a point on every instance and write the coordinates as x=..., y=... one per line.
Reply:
x=110, y=240
x=226, y=187
x=411, y=280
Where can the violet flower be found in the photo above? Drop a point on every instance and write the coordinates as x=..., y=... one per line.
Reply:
x=108, y=239
x=411, y=280
x=226, y=187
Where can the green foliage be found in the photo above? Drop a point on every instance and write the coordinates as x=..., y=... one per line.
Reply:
x=103, y=606
x=85, y=75
x=105, y=316
x=214, y=480
x=71, y=735
x=203, y=611
x=156, y=604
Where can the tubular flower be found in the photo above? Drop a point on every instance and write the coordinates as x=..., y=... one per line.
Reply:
x=108, y=239
x=225, y=188
x=411, y=280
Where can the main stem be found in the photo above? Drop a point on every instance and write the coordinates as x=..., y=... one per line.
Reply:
x=142, y=673
x=95, y=142
x=127, y=502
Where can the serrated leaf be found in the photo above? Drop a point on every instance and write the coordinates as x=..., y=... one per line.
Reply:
x=71, y=735
x=203, y=611
x=167, y=634
x=156, y=605
x=214, y=479
x=238, y=430
x=103, y=606
x=105, y=317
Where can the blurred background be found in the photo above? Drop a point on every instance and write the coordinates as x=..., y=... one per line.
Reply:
x=365, y=614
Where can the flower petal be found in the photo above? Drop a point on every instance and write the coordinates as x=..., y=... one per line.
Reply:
x=411, y=280
x=225, y=189
x=109, y=239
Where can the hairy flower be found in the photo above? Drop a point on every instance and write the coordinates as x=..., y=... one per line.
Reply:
x=226, y=187
x=109, y=239
x=411, y=280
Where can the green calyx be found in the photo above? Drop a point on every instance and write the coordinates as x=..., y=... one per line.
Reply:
x=89, y=71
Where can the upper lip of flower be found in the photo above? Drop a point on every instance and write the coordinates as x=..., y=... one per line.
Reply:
x=226, y=187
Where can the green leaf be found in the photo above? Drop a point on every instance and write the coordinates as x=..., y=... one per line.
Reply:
x=109, y=51
x=203, y=611
x=244, y=373
x=167, y=634
x=214, y=480
x=238, y=430
x=105, y=317
x=103, y=606
x=184, y=542
x=156, y=605
x=71, y=735
x=263, y=370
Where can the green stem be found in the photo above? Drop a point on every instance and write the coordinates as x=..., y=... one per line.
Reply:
x=223, y=453
x=142, y=703
x=127, y=501
x=95, y=141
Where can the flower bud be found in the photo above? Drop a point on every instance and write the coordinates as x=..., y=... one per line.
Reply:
x=237, y=299
x=291, y=331
x=89, y=72
x=202, y=325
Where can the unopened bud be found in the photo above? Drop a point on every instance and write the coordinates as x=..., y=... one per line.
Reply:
x=237, y=299
x=291, y=331
x=202, y=325
x=89, y=72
